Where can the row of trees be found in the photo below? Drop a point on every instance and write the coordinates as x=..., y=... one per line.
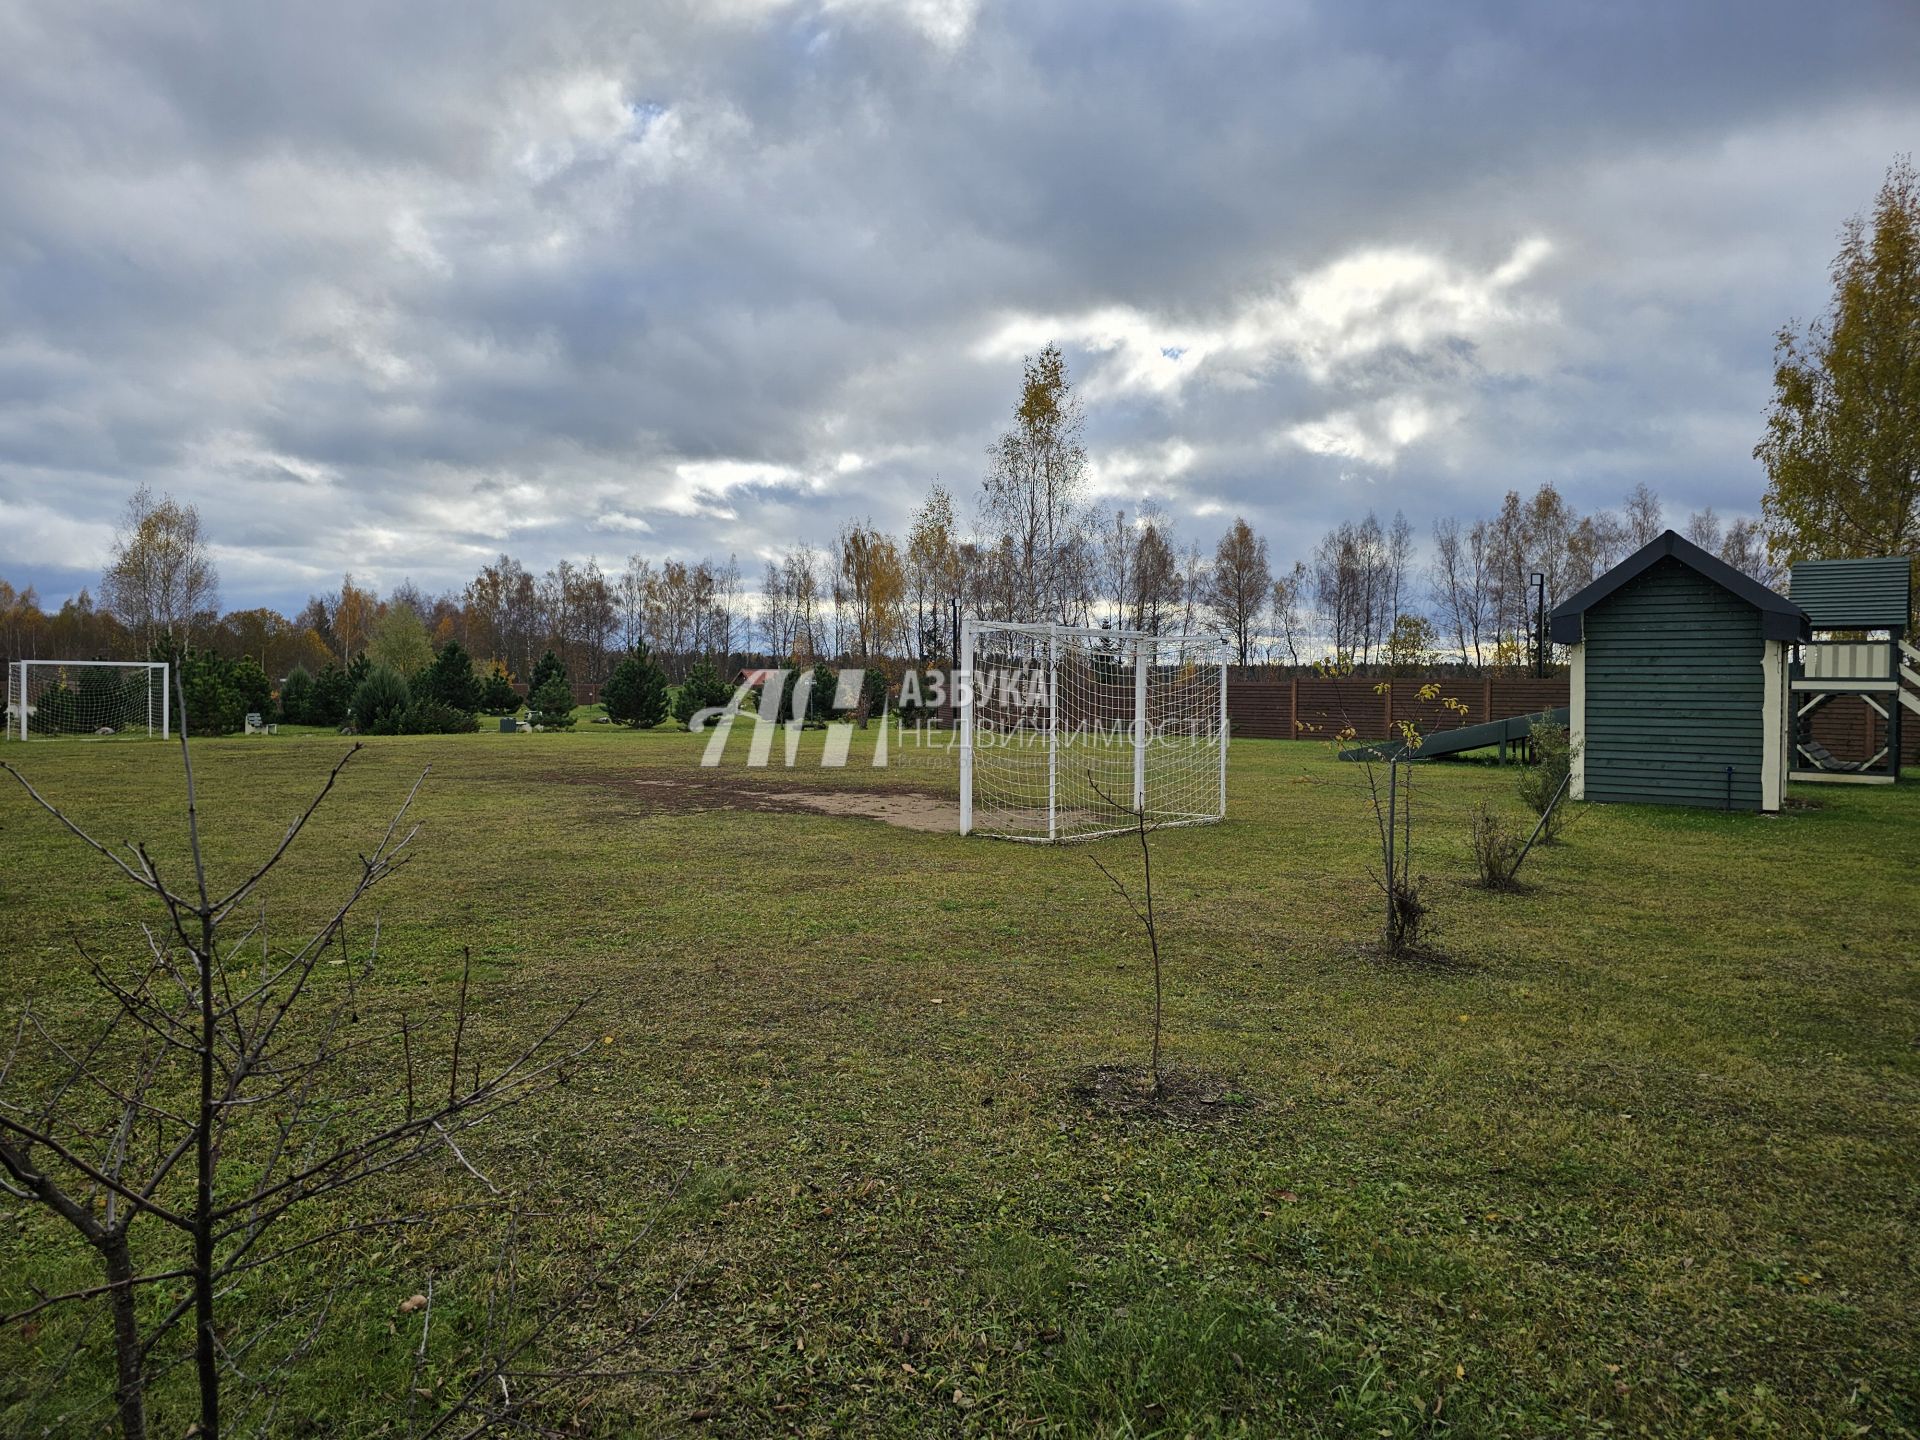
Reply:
x=1364, y=595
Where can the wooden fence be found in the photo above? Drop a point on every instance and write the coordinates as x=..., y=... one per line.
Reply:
x=1310, y=709
x=1305, y=709
x=1852, y=731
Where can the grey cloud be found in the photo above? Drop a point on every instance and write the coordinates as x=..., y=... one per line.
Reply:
x=390, y=288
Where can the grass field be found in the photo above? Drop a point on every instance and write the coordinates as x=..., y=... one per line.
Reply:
x=1645, y=1160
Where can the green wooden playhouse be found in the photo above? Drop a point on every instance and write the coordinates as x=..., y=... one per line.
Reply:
x=1859, y=661
x=1679, y=681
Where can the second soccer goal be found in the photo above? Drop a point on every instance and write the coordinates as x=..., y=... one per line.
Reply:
x=92, y=698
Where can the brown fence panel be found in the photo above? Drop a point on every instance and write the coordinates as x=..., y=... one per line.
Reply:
x=1848, y=727
x=1429, y=717
x=1261, y=709
x=1319, y=708
x=1528, y=697
x=1324, y=708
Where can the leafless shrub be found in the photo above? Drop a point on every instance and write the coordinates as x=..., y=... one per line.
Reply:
x=1496, y=848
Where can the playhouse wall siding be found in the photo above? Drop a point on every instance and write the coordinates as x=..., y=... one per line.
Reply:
x=1675, y=692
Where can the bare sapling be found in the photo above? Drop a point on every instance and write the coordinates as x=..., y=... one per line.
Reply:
x=1143, y=912
x=225, y=1081
x=1392, y=808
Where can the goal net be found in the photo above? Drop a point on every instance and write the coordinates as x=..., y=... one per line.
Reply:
x=1066, y=733
x=48, y=698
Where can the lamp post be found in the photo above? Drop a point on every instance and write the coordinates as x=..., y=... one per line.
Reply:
x=953, y=665
x=1539, y=625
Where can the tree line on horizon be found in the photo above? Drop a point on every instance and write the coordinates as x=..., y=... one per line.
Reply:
x=1363, y=596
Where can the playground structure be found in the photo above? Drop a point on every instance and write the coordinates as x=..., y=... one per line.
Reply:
x=1512, y=732
x=1859, y=652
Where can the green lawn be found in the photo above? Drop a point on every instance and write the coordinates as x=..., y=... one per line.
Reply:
x=1643, y=1161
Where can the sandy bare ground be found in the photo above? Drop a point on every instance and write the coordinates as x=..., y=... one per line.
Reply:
x=707, y=790
x=909, y=812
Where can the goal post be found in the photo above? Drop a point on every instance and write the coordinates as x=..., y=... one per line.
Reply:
x=47, y=699
x=1068, y=732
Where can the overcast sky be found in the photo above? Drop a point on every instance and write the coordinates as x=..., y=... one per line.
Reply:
x=393, y=288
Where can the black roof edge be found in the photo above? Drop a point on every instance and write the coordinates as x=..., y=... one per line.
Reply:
x=1780, y=618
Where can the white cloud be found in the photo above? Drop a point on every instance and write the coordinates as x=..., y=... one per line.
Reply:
x=46, y=535
x=555, y=121
x=1322, y=324
x=1140, y=472
x=947, y=23
x=701, y=487
x=720, y=280
x=619, y=522
x=234, y=452
x=1375, y=434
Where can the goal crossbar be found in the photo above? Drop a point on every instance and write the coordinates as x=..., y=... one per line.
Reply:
x=1074, y=732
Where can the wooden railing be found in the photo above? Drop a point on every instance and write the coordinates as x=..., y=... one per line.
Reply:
x=1847, y=660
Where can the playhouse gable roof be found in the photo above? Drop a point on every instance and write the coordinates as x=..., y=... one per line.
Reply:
x=1780, y=618
x=1866, y=594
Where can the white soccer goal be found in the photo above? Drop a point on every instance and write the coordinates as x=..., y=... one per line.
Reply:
x=1065, y=732
x=48, y=698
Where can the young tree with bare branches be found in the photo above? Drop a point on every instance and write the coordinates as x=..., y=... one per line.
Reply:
x=221, y=1093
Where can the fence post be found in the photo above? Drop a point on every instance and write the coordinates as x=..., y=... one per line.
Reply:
x=1293, y=708
x=1486, y=698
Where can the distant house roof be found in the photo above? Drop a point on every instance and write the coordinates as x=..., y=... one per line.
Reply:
x=1780, y=618
x=1854, y=594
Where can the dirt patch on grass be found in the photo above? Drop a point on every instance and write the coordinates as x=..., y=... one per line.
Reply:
x=909, y=812
x=705, y=791
x=1185, y=1097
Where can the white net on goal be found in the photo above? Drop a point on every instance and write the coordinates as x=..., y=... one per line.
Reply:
x=1066, y=732
x=96, y=698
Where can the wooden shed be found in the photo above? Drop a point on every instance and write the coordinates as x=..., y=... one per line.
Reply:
x=1678, y=685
